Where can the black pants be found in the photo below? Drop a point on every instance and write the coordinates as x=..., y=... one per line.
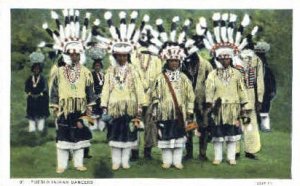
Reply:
x=203, y=140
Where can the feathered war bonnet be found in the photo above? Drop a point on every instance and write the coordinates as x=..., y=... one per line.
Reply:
x=70, y=37
x=123, y=39
x=172, y=45
x=227, y=39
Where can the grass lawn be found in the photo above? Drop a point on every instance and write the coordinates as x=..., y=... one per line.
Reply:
x=40, y=162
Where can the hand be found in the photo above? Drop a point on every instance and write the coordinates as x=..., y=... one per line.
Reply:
x=89, y=110
x=237, y=123
x=197, y=133
x=79, y=125
x=258, y=106
x=54, y=111
x=104, y=110
x=139, y=111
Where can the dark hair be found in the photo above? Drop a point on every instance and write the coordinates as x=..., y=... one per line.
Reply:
x=35, y=65
x=128, y=57
x=97, y=61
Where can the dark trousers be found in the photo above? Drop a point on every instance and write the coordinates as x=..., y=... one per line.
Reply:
x=202, y=142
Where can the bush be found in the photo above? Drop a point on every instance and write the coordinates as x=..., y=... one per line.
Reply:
x=102, y=169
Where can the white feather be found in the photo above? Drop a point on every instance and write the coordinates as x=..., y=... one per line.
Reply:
x=210, y=38
x=67, y=31
x=230, y=34
x=173, y=35
x=202, y=21
x=65, y=12
x=77, y=12
x=223, y=28
x=97, y=22
x=45, y=26
x=159, y=22
x=207, y=44
x=107, y=15
x=225, y=16
x=146, y=18
x=254, y=30
x=130, y=30
x=136, y=36
x=42, y=44
x=243, y=44
x=123, y=30
x=187, y=22
x=71, y=12
x=189, y=43
x=88, y=15
x=246, y=20
x=88, y=39
x=54, y=15
x=238, y=38
x=103, y=39
x=77, y=29
x=157, y=42
x=122, y=15
x=83, y=33
x=175, y=19
x=232, y=18
x=181, y=37
x=153, y=49
x=134, y=15
x=193, y=50
x=62, y=33
x=113, y=33
x=164, y=36
x=216, y=16
x=217, y=34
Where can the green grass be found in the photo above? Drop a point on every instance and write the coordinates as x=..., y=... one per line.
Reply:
x=40, y=161
x=274, y=162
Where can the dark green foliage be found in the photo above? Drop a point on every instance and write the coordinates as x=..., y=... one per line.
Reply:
x=21, y=137
x=102, y=169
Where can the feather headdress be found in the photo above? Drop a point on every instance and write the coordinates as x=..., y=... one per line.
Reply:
x=227, y=38
x=124, y=38
x=70, y=37
x=173, y=45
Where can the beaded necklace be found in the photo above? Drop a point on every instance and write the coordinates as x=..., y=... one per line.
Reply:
x=72, y=74
x=34, y=83
x=120, y=75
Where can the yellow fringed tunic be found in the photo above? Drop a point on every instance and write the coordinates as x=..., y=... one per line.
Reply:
x=204, y=69
x=162, y=96
x=122, y=98
x=71, y=97
x=228, y=85
x=251, y=131
x=148, y=67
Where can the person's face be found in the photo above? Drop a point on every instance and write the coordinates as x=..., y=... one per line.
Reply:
x=97, y=67
x=246, y=59
x=225, y=60
x=173, y=64
x=36, y=70
x=121, y=58
x=75, y=58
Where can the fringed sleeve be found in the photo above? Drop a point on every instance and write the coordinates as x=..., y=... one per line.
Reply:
x=53, y=92
x=189, y=95
x=260, y=81
x=210, y=87
x=242, y=92
x=90, y=93
x=139, y=89
x=105, y=90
